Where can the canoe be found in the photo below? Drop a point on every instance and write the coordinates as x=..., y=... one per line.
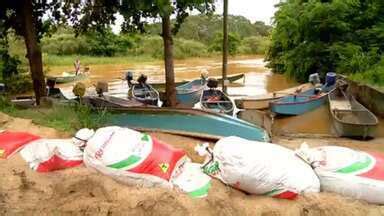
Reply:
x=68, y=77
x=350, y=118
x=24, y=101
x=262, y=101
x=215, y=100
x=144, y=93
x=111, y=102
x=231, y=78
x=300, y=103
x=189, y=94
x=185, y=121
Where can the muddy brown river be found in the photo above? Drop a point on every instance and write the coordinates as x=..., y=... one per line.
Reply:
x=258, y=80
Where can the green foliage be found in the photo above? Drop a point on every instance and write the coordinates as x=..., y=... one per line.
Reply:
x=202, y=28
x=189, y=48
x=320, y=36
x=92, y=43
x=374, y=75
x=68, y=118
x=150, y=45
x=254, y=45
x=233, y=43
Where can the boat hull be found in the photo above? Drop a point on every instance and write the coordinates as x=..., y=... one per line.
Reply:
x=111, y=102
x=190, y=122
x=349, y=117
x=297, y=108
x=262, y=101
x=301, y=103
x=354, y=131
x=67, y=79
x=189, y=94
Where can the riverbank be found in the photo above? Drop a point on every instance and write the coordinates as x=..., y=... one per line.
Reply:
x=79, y=191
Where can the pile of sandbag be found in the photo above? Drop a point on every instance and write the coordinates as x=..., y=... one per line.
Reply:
x=138, y=159
x=12, y=142
x=42, y=155
x=46, y=155
x=259, y=168
x=351, y=173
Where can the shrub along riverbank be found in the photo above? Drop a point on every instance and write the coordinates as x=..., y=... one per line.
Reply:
x=65, y=117
x=322, y=36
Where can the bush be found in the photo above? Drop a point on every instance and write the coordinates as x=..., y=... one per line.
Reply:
x=233, y=43
x=149, y=45
x=254, y=45
x=189, y=48
x=374, y=75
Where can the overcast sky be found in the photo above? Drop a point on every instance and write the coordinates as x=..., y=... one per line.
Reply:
x=255, y=10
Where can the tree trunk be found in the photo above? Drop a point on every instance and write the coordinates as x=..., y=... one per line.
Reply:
x=33, y=51
x=170, y=89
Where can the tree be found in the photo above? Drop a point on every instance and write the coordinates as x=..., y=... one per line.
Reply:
x=26, y=18
x=137, y=12
x=321, y=36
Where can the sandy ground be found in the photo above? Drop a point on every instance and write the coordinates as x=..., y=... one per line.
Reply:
x=80, y=191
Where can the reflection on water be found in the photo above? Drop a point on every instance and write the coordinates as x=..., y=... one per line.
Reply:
x=317, y=121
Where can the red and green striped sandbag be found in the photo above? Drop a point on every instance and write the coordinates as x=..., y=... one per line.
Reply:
x=351, y=173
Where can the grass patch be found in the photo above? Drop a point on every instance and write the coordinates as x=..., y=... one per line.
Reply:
x=66, y=118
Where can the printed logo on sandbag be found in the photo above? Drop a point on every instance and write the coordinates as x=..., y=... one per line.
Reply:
x=164, y=167
x=211, y=169
x=99, y=153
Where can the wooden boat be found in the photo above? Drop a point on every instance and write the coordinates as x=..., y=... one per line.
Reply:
x=262, y=101
x=185, y=121
x=231, y=78
x=350, y=118
x=24, y=101
x=301, y=103
x=215, y=100
x=144, y=93
x=68, y=77
x=189, y=94
x=111, y=102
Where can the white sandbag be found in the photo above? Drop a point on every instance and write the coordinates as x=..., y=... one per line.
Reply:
x=192, y=180
x=351, y=173
x=132, y=157
x=261, y=168
x=46, y=155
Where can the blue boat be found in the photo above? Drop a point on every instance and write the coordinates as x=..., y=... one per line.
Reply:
x=185, y=121
x=189, y=94
x=301, y=103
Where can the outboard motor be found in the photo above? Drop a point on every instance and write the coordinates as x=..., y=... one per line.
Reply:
x=129, y=78
x=142, y=79
x=2, y=88
x=101, y=87
x=330, y=78
x=212, y=83
x=314, y=79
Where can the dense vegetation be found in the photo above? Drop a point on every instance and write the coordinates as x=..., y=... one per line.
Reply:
x=345, y=36
x=199, y=36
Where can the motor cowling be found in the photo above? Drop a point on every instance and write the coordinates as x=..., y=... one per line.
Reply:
x=212, y=83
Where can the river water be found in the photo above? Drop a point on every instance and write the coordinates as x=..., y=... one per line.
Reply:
x=258, y=80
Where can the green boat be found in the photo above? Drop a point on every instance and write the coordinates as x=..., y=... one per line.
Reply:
x=350, y=118
x=68, y=77
x=185, y=121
